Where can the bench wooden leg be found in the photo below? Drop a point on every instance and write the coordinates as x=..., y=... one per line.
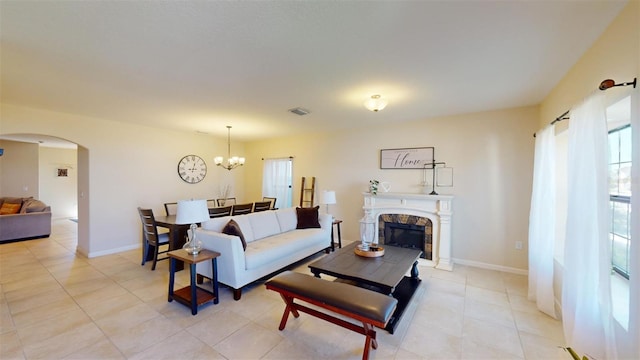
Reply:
x=367, y=329
x=370, y=340
x=290, y=308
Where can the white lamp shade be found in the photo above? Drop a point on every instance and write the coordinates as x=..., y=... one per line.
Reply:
x=192, y=211
x=328, y=197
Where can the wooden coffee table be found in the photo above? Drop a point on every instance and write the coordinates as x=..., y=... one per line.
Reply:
x=385, y=274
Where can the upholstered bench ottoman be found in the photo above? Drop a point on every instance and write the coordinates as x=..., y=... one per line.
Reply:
x=366, y=306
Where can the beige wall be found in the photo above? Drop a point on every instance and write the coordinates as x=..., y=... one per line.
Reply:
x=491, y=154
x=19, y=169
x=59, y=192
x=615, y=55
x=123, y=166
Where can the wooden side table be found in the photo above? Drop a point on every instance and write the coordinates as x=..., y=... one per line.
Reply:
x=337, y=223
x=193, y=295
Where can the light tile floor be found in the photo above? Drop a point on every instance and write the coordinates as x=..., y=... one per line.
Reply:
x=58, y=305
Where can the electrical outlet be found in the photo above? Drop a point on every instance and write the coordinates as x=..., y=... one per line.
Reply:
x=518, y=245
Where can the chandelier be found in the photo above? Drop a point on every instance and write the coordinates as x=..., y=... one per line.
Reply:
x=232, y=161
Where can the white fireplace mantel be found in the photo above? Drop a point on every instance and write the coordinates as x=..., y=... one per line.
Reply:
x=436, y=208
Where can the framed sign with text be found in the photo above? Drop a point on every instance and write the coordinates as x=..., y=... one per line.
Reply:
x=408, y=158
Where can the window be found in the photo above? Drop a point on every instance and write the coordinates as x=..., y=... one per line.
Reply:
x=620, y=197
x=620, y=148
x=277, y=181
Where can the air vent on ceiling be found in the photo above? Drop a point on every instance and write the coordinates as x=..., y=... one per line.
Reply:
x=299, y=111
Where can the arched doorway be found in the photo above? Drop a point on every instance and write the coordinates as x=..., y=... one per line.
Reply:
x=54, y=170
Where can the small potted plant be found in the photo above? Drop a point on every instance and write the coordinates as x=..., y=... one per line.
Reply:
x=373, y=186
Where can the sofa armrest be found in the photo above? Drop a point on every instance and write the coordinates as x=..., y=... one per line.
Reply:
x=326, y=222
x=231, y=261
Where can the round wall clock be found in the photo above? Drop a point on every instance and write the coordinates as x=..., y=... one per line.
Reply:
x=192, y=169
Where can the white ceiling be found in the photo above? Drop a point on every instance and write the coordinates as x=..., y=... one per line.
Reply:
x=202, y=65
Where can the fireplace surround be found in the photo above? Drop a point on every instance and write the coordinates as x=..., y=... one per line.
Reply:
x=431, y=211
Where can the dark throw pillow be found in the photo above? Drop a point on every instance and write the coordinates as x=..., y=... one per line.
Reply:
x=307, y=217
x=232, y=228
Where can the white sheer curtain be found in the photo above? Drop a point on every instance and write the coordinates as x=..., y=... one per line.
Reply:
x=634, y=256
x=542, y=219
x=586, y=294
x=277, y=181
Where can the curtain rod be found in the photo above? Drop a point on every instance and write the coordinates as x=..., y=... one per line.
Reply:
x=279, y=158
x=604, y=85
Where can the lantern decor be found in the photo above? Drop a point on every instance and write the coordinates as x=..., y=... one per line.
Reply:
x=367, y=232
x=368, y=246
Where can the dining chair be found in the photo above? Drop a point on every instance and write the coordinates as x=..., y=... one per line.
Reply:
x=151, y=237
x=270, y=199
x=211, y=203
x=241, y=209
x=261, y=206
x=171, y=208
x=220, y=211
x=226, y=202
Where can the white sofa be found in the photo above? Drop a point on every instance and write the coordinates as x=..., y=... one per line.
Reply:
x=273, y=243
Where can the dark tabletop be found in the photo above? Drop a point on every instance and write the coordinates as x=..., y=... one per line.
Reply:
x=385, y=271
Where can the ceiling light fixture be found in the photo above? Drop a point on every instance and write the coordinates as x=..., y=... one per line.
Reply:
x=232, y=162
x=376, y=103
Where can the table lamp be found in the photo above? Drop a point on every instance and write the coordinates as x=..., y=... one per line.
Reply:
x=192, y=212
x=328, y=198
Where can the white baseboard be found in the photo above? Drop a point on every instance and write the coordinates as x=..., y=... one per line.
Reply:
x=112, y=251
x=491, y=266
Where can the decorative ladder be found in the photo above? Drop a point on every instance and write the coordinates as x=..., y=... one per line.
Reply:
x=307, y=193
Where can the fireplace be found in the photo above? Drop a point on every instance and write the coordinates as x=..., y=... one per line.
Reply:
x=412, y=215
x=407, y=231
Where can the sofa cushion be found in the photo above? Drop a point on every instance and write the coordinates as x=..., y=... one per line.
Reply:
x=268, y=250
x=263, y=224
x=287, y=219
x=12, y=200
x=25, y=202
x=9, y=208
x=31, y=205
x=245, y=226
x=216, y=224
x=232, y=228
x=307, y=217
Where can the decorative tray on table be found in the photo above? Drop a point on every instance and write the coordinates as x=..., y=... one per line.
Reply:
x=374, y=251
